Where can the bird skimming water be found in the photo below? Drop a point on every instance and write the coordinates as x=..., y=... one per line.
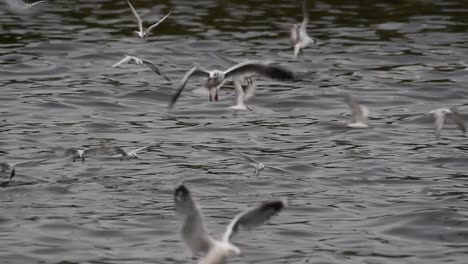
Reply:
x=216, y=78
x=439, y=119
x=138, y=61
x=197, y=238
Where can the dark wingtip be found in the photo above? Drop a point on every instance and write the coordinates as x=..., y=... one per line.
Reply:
x=12, y=174
x=181, y=191
x=276, y=205
x=282, y=74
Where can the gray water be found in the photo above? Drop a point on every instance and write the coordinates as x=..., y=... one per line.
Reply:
x=388, y=194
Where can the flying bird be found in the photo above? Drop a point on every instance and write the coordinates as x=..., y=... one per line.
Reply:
x=298, y=33
x=138, y=61
x=77, y=153
x=12, y=166
x=216, y=78
x=140, y=32
x=359, y=113
x=439, y=119
x=122, y=154
x=196, y=237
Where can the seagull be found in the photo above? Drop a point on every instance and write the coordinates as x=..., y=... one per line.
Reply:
x=124, y=154
x=140, y=32
x=12, y=166
x=77, y=153
x=216, y=78
x=258, y=165
x=243, y=94
x=138, y=61
x=439, y=117
x=359, y=113
x=298, y=33
x=197, y=238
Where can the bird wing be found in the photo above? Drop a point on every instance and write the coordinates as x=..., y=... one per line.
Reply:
x=247, y=158
x=261, y=68
x=294, y=34
x=135, y=151
x=239, y=92
x=193, y=231
x=250, y=91
x=253, y=217
x=195, y=71
x=457, y=118
x=157, y=23
x=140, y=24
x=155, y=69
x=356, y=110
x=35, y=3
x=124, y=60
x=439, y=122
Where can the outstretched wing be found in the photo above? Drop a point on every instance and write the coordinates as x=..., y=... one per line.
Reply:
x=253, y=217
x=357, y=113
x=264, y=69
x=125, y=59
x=457, y=118
x=247, y=158
x=135, y=151
x=155, y=69
x=156, y=24
x=195, y=71
x=193, y=231
x=140, y=24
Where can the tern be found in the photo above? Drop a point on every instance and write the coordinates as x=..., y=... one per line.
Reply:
x=122, y=154
x=216, y=78
x=140, y=32
x=12, y=166
x=439, y=118
x=82, y=154
x=359, y=113
x=298, y=33
x=138, y=61
x=197, y=238
x=258, y=165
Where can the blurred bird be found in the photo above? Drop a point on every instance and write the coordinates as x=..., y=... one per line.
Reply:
x=359, y=113
x=140, y=32
x=439, y=118
x=138, y=61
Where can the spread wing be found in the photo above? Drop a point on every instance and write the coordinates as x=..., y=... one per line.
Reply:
x=247, y=158
x=263, y=69
x=139, y=149
x=195, y=71
x=253, y=217
x=140, y=24
x=193, y=230
x=125, y=59
x=357, y=113
x=157, y=23
x=457, y=118
x=155, y=69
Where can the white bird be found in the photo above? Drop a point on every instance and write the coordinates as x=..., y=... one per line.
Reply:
x=122, y=154
x=82, y=154
x=12, y=166
x=258, y=165
x=298, y=33
x=138, y=61
x=216, y=78
x=359, y=113
x=197, y=238
x=140, y=32
x=439, y=118
x=243, y=94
